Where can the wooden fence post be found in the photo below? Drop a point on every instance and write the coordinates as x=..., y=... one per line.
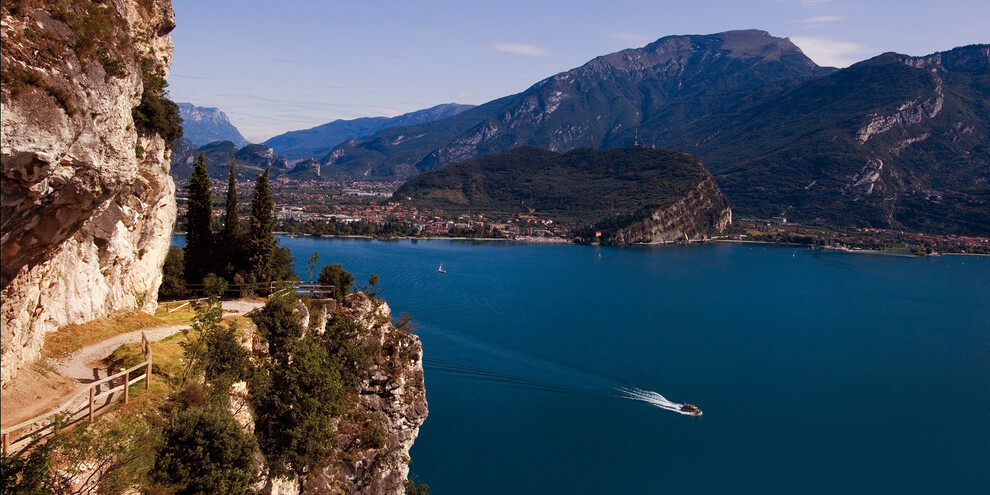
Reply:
x=127, y=378
x=92, y=396
x=6, y=443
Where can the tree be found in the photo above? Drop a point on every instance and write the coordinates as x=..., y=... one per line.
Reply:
x=296, y=395
x=338, y=278
x=156, y=113
x=205, y=451
x=311, y=265
x=213, y=286
x=27, y=473
x=295, y=406
x=230, y=238
x=285, y=264
x=225, y=358
x=279, y=326
x=199, y=229
x=261, y=242
x=370, y=289
x=173, y=284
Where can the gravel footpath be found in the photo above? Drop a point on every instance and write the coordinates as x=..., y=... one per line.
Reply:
x=80, y=365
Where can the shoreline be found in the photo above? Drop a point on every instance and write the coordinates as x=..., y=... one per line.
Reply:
x=556, y=241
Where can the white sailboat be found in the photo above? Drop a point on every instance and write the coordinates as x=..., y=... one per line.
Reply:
x=441, y=270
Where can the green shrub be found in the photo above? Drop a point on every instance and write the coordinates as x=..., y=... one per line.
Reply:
x=214, y=286
x=206, y=451
x=156, y=114
x=340, y=279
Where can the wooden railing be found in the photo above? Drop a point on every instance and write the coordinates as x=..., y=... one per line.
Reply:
x=267, y=289
x=72, y=410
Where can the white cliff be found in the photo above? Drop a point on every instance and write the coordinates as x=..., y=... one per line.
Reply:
x=88, y=204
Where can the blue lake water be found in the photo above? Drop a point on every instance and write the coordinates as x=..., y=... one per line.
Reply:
x=817, y=372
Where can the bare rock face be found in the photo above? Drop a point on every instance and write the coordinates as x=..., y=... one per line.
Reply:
x=371, y=449
x=701, y=212
x=88, y=204
x=372, y=441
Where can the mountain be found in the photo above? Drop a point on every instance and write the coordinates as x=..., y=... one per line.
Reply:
x=319, y=140
x=894, y=141
x=632, y=194
x=202, y=125
x=305, y=170
x=677, y=77
x=250, y=160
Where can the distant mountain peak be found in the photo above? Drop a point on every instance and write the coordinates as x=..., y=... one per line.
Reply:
x=202, y=125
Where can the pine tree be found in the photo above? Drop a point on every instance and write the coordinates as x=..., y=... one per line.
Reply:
x=261, y=243
x=199, y=231
x=231, y=236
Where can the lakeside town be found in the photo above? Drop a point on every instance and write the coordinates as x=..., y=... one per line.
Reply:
x=365, y=209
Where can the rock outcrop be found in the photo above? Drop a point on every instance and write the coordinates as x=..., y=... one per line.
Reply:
x=701, y=212
x=88, y=204
x=372, y=440
x=371, y=449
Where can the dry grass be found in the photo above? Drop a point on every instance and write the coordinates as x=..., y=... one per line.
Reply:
x=71, y=338
x=169, y=353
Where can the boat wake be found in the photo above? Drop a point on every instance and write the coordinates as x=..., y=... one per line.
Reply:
x=654, y=399
x=543, y=375
x=495, y=377
x=628, y=393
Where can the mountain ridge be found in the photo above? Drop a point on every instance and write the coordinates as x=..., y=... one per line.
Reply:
x=863, y=146
x=318, y=141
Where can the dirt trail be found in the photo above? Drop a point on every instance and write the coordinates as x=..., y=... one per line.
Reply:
x=35, y=391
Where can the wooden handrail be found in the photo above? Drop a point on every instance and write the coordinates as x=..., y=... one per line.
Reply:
x=91, y=390
x=270, y=287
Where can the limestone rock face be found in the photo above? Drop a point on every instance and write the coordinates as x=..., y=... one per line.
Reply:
x=372, y=441
x=88, y=204
x=701, y=212
x=392, y=398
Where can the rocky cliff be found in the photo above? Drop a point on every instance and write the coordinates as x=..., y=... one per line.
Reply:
x=701, y=212
x=372, y=440
x=88, y=204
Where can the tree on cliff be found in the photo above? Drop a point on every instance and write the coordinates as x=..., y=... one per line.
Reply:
x=296, y=394
x=261, y=242
x=231, y=240
x=335, y=276
x=205, y=451
x=199, y=230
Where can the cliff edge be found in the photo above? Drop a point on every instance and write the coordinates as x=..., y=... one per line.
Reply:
x=88, y=204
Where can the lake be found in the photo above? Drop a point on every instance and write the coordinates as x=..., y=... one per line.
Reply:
x=818, y=372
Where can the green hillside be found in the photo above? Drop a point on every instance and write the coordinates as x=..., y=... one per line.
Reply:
x=582, y=185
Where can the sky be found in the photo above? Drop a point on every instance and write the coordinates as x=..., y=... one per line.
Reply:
x=286, y=65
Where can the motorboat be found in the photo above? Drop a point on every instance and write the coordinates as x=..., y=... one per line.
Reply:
x=691, y=409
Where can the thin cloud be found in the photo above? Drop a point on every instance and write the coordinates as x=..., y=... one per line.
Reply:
x=520, y=49
x=187, y=76
x=820, y=19
x=303, y=63
x=382, y=55
x=635, y=38
x=829, y=52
